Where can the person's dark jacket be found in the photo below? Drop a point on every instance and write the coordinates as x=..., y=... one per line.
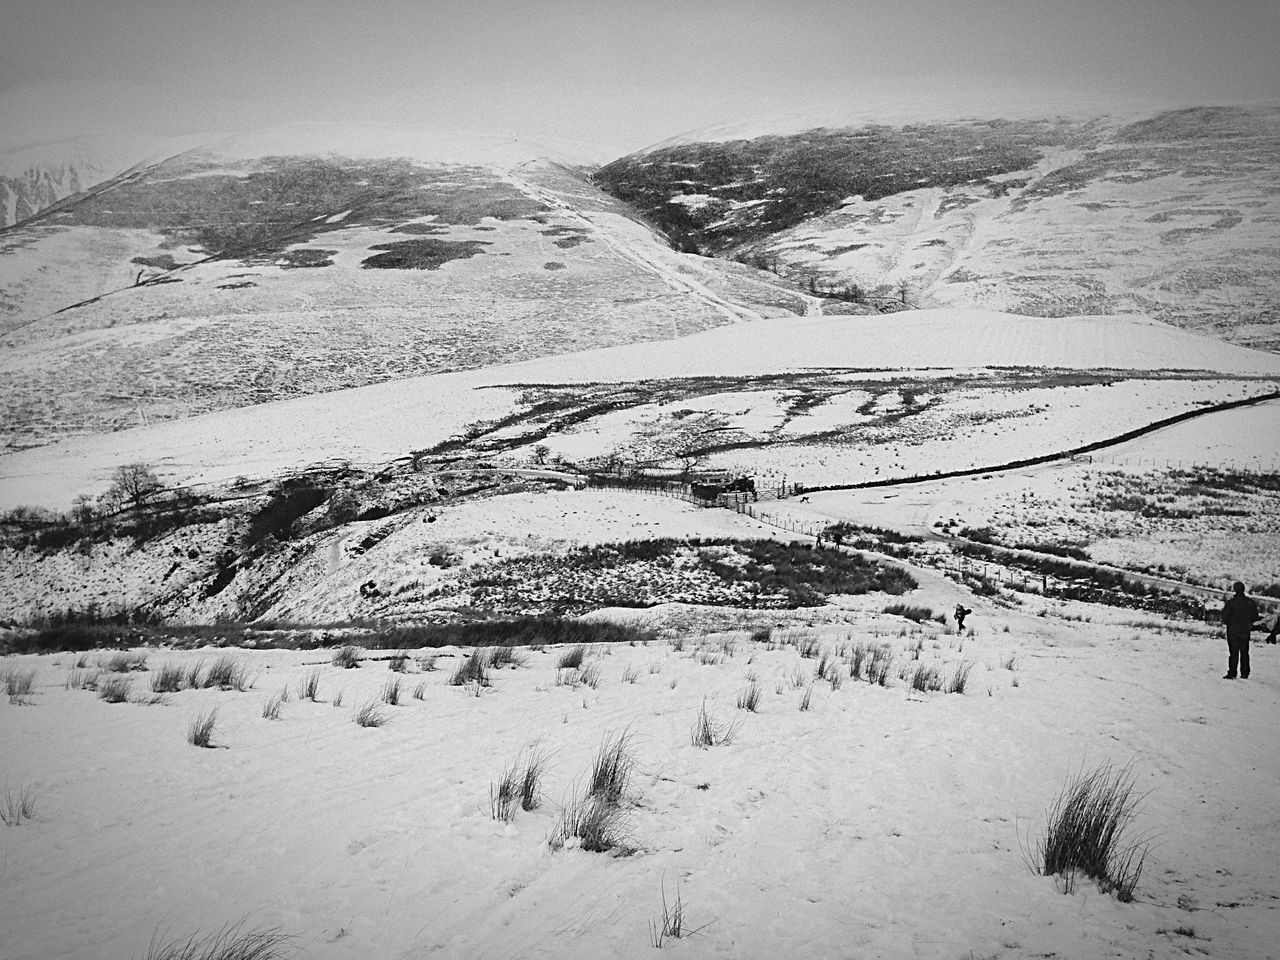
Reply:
x=1239, y=614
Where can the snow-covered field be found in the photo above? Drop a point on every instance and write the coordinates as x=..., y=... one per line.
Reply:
x=878, y=823
x=380, y=422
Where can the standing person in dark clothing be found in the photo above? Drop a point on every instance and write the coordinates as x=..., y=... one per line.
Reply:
x=961, y=612
x=1239, y=614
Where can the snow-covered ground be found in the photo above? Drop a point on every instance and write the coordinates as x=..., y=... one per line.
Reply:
x=878, y=823
x=383, y=421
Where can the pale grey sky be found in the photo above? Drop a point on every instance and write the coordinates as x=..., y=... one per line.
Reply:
x=624, y=74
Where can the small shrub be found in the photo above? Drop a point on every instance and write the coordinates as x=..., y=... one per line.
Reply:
x=17, y=804
x=309, y=686
x=761, y=634
x=200, y=729
x=428, y=662
x=590, y=675
x=370, y=716
x=572, y=657
x=708, y=733
x=1085, y=832
x=391, y=692
x=168, y=679
x=114, y=689
x=399, y=663
x=1010, y=662
x=229, y=943
x=749, y=697
x=348, y=658
x=471, y=670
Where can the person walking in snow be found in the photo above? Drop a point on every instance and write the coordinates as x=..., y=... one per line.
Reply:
x=961, y=612
x=1238, y=615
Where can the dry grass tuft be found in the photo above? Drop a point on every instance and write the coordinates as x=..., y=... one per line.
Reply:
x=200, y=729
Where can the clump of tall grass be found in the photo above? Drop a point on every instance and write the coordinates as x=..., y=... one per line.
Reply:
x=707, y=732
x=1086, y=832
x=230, y=943
x=597, y=825
x=674, y=926
x=125, y=662
x=420, y=691
x=168, y=679
x=612, y=768
x=749, y=697
x=590, y=675
x=927, y=677
x=474, y=669
x=877, y=670
x=17, y=804
x=391, y=692
x=18, y=684
x=348, y=657
x=399, y=663
x=200, y=729
x=309, y=686
x=960, y=679
x=192, y=678
x=807, y=700
x=271, y=709
x=913, y=612
x=505, y=656
x=114, y=689
x=502, y=795
x=228, y=673
x=629, y=674
x=572, y=657
x=370, y=715
x=79, y=678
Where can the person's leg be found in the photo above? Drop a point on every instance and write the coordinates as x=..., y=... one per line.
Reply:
x=1244, y=658
x=1233, y=658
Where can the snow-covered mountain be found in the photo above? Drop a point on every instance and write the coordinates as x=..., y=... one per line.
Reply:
x=312, y=258
x=1172, y=214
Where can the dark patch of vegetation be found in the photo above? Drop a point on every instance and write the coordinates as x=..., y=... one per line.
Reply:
x=163, y=261
x=553, y=265
x=788, y=179
x=285, y=506
x=427, y=254
x=304, y=258
x=638, y=573
x=521, y=632
x=284, y=201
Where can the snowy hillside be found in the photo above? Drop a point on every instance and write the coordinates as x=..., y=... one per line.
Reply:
x=1172, y=215
x=131, y=305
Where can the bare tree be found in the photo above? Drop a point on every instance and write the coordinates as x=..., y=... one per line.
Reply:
x=133, y=484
